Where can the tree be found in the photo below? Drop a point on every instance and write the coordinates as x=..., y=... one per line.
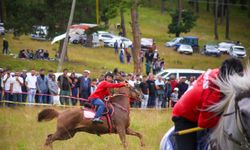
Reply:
x=136, y=37
x=197, y=6
x=227, y=19
x=208, y=6
x=222, y=6
x=186, y=23
x=163, y=6
x=216, y=36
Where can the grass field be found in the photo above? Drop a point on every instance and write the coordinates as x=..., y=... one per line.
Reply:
x=20, y=131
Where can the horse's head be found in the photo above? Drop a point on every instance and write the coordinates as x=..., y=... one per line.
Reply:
x=132, y=93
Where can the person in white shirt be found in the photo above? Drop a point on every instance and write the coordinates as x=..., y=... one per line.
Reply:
x=130, y=80
x=159, y=85
x=30, y=82
x=6, y=83
x=16, y=87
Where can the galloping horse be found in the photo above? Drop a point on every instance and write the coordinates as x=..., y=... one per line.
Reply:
x=233, y=129
x=71, y=121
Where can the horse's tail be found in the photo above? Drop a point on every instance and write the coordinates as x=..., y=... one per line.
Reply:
x=47, y=115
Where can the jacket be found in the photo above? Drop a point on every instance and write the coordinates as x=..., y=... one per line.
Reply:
x=102, y=90
x=193, y=103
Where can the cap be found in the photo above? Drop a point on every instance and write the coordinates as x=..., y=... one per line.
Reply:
x=86, y=71
x=176, y=89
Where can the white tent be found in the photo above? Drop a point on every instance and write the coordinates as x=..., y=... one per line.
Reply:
x=58, y=38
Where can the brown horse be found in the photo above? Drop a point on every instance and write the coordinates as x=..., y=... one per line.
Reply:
x=71, y=121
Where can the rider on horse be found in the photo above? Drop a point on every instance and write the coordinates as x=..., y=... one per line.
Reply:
x=100, y=93
x=190, y=110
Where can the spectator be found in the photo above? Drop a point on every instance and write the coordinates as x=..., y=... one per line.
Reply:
x=16, y=87
x=149, y=57
x=159, y=85
x=122, y=45
x=174, y=97
x=137, y=83
x=64, y=84
x=128, y=55
x=121, y=56
x=152, y=90
x=155, y=55
x=1, y=83
x=46, y=54
x=148, y=68
x=131, y=80
x=162, y=65
x=116, y=47
x=24, y=88
x=31, y=86
x=93, y=85
x=168, y=92
x=74, y=88
x=42, y=87
x=84, y=86
x=144, y=88
x=182, y=86
x=5, y=46
x=6, y=83
x=173, y=82
x=53, y=87
x=191, y=81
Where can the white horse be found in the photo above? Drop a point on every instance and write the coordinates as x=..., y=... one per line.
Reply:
x=233, y=129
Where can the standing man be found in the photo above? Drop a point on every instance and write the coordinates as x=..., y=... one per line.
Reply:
x=64, y=83
x=5, y=46
x=84, y=86
x=6, y=83
x=159, y=85
x=145, y=91
x=42, y=87
x=24, y=88
x=182, y=86
x=16, y=87
x=31, y=86
x=1, y=83
x=116, y=47
x=152, y=90
x=53, y=87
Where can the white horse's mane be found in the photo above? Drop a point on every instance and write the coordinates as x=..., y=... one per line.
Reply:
x=230, y=87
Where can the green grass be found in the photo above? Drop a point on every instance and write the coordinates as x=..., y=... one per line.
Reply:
x=20, y=131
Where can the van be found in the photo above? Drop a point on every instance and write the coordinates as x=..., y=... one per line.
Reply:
x=179, y=73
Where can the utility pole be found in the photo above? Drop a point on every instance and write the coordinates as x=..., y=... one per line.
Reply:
x=65, y=43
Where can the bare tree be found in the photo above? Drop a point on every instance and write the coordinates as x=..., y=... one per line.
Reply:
x=208, y=6
x=221, y=11
x=123, y=22
x=179, y=10
x=216, y=36
x=136, y=37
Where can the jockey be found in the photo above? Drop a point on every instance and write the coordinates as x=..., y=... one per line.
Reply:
x=189, y=111
x=102, y=91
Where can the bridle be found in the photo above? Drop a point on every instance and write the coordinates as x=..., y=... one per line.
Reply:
x=245, y=143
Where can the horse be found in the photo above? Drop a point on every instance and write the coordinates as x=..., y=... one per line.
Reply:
x=73, y=120
x=233, y=129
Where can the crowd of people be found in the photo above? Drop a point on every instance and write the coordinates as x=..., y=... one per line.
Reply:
x=30, y=54
x=38, y=87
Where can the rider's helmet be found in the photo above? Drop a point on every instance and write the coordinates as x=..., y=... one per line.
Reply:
x=110, y=74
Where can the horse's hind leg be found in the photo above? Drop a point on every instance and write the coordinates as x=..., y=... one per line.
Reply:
x=139, y=135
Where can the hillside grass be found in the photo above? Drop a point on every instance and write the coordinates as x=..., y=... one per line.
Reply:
x=20, y=131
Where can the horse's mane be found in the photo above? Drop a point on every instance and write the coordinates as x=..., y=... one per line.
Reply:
x=231, y=87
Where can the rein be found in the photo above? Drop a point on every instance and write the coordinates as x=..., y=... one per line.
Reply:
x=245, y=144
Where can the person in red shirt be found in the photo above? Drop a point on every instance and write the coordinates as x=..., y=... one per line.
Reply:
x=190, y=112
x=102, y=91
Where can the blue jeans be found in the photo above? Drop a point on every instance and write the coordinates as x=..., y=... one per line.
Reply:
x=100, y=106
x=17, y=97
x=31, y=95
x=42, y=98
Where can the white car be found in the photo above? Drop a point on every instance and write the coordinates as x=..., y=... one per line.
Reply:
x=103, y=35
x=173, y=42
x=2, y=30
x=237, y=51
x=186, y=49
x=119, y=39
x=224, y=47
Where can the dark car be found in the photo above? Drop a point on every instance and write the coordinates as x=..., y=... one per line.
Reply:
x=211, y=50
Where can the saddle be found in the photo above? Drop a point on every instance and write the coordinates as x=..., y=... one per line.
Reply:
x=89, y=112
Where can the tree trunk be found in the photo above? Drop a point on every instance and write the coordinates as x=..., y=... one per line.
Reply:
x=163, y=6
x=123, y=22
x=197, y=6
x=227, y=19
x=221, y=11
x=1, y=11
x=216, y=37
x=208, y=6
x=89, y=40
x=136, y=37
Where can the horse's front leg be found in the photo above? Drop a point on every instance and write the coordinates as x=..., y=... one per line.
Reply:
x=122, y=134
x=139, y=135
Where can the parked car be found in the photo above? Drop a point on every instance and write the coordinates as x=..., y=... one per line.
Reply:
x=39, y=32
x=186, y=49
x=189, y=40
x=146, y=44
x=103, y=35
x=224, y=47
x=210, y=50
x=119, y=39
x=2, y=30
x=173, y=42
x=179, y=72
x=237, y=51
x=77, y=38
